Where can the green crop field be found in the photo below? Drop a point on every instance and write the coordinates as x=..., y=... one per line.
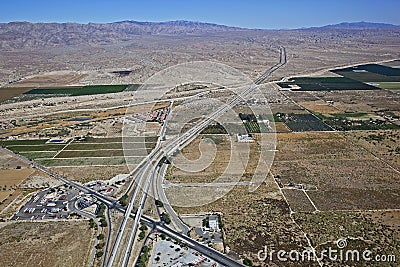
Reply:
x=101, y=153
x=92, y=151
x=370, y=73
x=327, y=84
x=85, y=90
x=380, y=69
x=38, y=155
x=45, y=147
x=94, y=146
x=389, y=85
x=83, y=161
x=6, y=143
x=252, y=127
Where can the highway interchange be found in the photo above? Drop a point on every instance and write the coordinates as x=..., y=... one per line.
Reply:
x=148, y=177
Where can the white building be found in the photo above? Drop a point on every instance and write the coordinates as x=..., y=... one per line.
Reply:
x=213, y=222
x=244, y=138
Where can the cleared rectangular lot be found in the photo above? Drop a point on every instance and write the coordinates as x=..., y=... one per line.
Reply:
x=23, y=243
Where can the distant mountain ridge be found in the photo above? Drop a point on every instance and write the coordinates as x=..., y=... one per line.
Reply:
x=361, y=25
x=17, y=35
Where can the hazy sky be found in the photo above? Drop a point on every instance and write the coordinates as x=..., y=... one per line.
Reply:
x=251, y=13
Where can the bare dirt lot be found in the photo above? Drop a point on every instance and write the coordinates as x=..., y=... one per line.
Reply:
x=320, y=107
x=7, y=161
x=10, y=179
x=13, y=177
x=45, y=243
x=86, y=174
x=51, y=79
x=346, y=175
x=7, y=93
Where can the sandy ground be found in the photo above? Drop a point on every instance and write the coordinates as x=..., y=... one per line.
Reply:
x=45, y=243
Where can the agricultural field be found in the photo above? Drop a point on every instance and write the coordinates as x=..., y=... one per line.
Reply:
x=85, y=90
x=4, y=194
x=13, y=177
x=287, y=108
x=392, y=64
x=326, y=84
x=389, y=85
x=23, y=243
x=61, y=78
x=370, y=73
x=280, y=127
x=302, y=122
x=7, y=161
x=250, y=123
x=104, y=123
x=7, y=93
x=90, y=152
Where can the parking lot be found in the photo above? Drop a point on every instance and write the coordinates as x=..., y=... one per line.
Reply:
x=51, y=203
x=169, y=253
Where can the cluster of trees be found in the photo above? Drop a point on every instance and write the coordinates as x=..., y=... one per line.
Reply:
x=142, y=233
x=165, y=218
x=159, y=203
x=101, y=216
x=144, y=257
x=248, y=117
x=123, y=200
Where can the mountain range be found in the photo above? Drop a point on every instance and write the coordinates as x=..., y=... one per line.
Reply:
x=15, y=35
x=361, y=25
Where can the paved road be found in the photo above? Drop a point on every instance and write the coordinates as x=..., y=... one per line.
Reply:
x=176, y=220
